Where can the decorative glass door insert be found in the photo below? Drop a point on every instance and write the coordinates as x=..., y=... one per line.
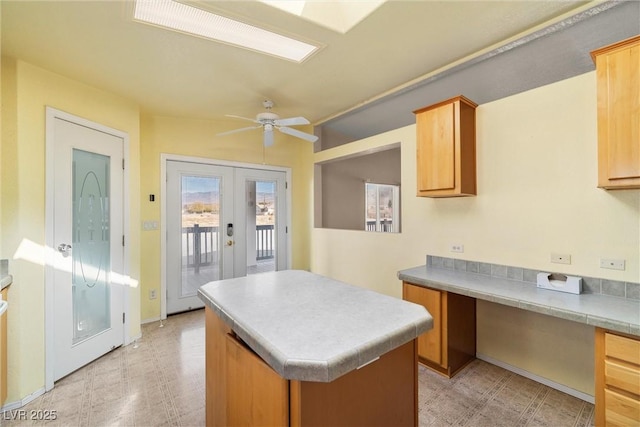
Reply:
x=91, y=263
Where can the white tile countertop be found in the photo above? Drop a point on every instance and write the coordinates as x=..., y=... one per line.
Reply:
x=614, y=313
x=5, y=278
x=5, y=281
x=311, y=328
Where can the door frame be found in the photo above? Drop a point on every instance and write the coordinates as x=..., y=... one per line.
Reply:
x=164, y=158
x=51, y=115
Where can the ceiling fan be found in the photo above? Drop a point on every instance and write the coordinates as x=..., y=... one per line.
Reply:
x=269, y=121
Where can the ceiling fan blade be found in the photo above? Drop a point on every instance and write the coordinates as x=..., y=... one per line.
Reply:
x=292, y=121
x=238, y=130
x=298, y=134
x=268, y=138
x=242, y=118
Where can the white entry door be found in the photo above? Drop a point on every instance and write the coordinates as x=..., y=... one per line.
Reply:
x=222, y=222
x=87, y=282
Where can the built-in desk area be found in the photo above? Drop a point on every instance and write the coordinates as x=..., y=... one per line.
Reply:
x=616, y=321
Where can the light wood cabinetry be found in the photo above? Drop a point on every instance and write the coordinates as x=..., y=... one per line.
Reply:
x=618, y=82
x=241, y=389
x=617, y=379
x=256, y=394
x=3, y=351
x=451, y=343
x=446, y=148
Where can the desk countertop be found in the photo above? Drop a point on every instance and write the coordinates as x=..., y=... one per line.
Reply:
x=614, y=313
x=311, y=328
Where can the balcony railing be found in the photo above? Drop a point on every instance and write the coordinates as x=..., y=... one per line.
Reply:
x=200, y=244
x=385, y=225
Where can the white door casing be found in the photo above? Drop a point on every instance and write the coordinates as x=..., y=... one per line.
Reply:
x=77, y=337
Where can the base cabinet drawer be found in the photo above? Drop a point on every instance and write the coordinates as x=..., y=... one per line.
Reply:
x=617, y=361
x=622, y=348
x=623, y=377
x=621, y=410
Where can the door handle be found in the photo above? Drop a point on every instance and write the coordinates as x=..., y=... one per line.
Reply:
x=229, y=242
x=64, y=249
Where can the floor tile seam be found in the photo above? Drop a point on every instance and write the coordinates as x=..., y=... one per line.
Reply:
x=124, y=374
x=535, y=405
x=167, y=399
x=84, y=413
x=484, y=399
x=579, y=421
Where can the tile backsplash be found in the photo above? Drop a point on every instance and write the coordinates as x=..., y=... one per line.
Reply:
x=590, y=285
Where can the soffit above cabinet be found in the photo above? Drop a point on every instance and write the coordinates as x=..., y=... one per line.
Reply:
x=551, y=54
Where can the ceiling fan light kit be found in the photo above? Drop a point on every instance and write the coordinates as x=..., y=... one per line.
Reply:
x=269, y=121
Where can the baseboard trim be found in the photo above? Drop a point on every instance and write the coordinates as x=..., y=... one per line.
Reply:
x=151, y=320
x=19, y=404
x=560, y=387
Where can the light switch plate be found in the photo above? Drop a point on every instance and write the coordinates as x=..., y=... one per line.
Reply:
x=149, y=225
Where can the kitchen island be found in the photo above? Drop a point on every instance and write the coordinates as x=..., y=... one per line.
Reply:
x=295, y=348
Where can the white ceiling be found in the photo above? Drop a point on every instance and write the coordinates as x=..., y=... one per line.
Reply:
x=169, y=73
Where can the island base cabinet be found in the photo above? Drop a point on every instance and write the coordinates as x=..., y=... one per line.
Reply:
x=241, y=389
x=3, y=352
x=382, y=393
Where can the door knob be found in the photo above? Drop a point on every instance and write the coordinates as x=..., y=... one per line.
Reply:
x=64, y=249
x=229, y=242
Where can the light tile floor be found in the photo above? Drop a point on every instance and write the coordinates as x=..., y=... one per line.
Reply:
x=162, y=383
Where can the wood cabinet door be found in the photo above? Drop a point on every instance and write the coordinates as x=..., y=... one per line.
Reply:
x=617, y=71
x=436, y=148
x=256, y=394
x=429, y=343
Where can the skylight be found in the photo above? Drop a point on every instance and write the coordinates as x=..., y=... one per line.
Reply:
x=337, y=15
x=187, y=19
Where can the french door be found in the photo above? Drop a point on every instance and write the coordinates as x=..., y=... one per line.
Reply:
x=87, y=279
x=221, y=222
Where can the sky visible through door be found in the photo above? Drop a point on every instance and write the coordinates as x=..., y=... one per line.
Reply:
x=201, y=202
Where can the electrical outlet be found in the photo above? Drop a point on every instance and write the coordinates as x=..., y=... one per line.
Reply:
x=612, y=264
x=152, y=294
x=457, y=248
x=561, y=258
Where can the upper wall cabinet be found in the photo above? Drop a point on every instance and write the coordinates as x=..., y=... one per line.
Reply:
x=446, y=148
x=618, y=76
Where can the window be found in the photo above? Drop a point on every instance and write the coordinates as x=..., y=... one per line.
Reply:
x=382, y=207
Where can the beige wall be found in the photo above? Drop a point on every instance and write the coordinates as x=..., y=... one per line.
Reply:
x=537, y=174
x=27, y=90
x=197, y=138
x=343, y=184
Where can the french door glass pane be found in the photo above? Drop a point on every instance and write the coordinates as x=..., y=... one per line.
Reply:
x=90, y=252
x=261, y=231
x=200, y=232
